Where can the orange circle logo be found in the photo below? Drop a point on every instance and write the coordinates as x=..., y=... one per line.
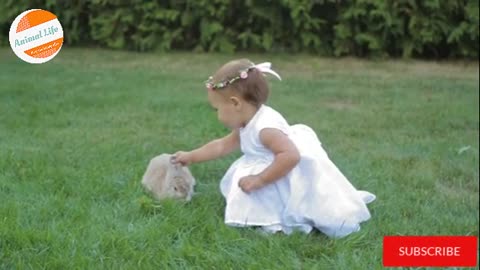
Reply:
x=36, y=36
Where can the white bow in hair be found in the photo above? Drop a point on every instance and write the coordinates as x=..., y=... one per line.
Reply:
x=266, y=68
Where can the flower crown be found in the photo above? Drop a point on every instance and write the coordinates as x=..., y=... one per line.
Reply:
x=242, y=74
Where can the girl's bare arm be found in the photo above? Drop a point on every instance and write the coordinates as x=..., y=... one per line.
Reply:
x=212, y=150
x=286, y=158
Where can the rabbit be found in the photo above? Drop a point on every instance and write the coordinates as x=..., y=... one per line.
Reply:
x=163, y=179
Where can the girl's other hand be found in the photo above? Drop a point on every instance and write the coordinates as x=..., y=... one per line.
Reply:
x=184, y=158
x=250, y=183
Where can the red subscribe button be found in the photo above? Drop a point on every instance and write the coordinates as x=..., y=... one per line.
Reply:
x=417, y=251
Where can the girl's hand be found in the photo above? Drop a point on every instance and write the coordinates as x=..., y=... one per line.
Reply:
x=250, y=183
x=184, y=158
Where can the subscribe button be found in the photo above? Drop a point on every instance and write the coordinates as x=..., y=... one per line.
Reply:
x=417, y=251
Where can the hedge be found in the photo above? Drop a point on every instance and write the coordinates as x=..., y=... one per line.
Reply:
x=364, y=28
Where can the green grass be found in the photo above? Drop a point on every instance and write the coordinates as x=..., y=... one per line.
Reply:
x=76, y=135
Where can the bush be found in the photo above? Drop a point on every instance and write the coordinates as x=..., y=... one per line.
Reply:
x=408, y=28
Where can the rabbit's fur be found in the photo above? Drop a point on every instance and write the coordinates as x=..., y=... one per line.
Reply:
x=166, y=180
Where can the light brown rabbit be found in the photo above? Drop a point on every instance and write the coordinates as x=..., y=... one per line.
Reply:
x=167, y=180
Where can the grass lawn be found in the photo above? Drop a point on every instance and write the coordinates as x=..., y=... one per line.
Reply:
x=76, y=135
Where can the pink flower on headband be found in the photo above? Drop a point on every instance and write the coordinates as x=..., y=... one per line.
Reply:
x=243, y=74
x=263, y=67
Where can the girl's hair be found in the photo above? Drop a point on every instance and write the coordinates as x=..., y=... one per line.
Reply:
x=253, y=89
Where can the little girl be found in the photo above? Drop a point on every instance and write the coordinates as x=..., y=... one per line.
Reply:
x=284, y=181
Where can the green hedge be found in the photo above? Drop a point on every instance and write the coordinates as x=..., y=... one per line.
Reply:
x=408, y=28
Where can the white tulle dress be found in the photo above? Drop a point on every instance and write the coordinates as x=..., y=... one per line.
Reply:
x=315, y=194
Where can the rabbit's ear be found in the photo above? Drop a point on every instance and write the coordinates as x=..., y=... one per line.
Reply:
x=157, y=168
x=154, y=177
x=188, y=176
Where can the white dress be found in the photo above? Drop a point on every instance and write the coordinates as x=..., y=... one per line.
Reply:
x=315, y=194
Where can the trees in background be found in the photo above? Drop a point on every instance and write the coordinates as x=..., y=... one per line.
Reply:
x=408, y=28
